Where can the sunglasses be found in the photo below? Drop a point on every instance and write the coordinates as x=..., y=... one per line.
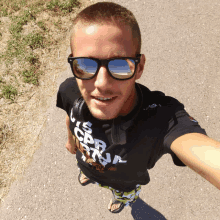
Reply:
x=122, y=68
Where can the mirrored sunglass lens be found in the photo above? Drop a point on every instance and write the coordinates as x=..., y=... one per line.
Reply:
x=84, y=67
x=122, y=69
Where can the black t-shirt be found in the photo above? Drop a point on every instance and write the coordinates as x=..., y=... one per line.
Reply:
x=158, y=121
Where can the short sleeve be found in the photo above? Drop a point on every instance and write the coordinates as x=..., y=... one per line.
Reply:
x=180, y=124
x=67, y=93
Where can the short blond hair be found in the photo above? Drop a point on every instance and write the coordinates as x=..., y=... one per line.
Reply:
x=108, y=13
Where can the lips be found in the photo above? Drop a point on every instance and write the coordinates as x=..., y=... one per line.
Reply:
x=98, y=101
x=101, y=97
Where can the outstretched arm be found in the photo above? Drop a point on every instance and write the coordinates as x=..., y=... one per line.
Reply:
x=201, y=154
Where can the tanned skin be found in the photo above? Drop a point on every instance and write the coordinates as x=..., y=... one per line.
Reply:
x=70, y=142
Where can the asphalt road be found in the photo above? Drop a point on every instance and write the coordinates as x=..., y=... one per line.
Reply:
x=181, y=42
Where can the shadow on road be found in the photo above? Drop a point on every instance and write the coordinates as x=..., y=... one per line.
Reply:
x=140, y=210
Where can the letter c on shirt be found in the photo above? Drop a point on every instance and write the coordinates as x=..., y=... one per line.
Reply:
x=76, y=131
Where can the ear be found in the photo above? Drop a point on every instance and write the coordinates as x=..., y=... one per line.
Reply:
x=140, y=67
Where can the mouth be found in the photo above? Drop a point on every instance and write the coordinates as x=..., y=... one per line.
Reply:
x=104, y=100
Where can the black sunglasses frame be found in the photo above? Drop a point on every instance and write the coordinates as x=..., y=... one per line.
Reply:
x=104, y=63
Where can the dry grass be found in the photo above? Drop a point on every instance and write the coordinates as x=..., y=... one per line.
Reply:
x=34, y=37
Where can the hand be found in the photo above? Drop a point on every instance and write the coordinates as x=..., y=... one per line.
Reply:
x=71, y=147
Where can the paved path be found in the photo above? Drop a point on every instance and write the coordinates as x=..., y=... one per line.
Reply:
x=181, y=43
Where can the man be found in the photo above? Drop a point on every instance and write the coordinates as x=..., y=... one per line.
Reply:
x=116, y=127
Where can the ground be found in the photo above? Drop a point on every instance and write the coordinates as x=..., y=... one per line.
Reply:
x=24, y=99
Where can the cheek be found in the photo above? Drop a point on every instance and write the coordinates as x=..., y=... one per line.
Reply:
x=125, y=93
x=85, y=87
x=127, y=88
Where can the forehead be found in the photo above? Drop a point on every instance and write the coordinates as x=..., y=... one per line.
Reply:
x=108, y=40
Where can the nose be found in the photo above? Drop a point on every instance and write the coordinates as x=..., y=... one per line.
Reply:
x=103, y=80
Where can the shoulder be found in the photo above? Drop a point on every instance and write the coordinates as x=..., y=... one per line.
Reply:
x=69, y=84
x=68, y=92
x=158, y=101
x=69, y=89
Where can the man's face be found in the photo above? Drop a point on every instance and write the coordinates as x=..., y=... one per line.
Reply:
x=104, y=42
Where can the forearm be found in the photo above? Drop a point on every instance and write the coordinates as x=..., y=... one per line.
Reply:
x=214, y=179
x=201, y=154
x=209, y=157
x=70, y=135
x=71, y=142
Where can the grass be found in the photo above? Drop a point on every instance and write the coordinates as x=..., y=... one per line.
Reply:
x=21, y=47
x=19, y=21
x=34, y=40
x=33, y=59
x=41, y=24
x=31, y=75
x=12, y=6
x=9, y=92
x=62, y=7
x=34, y=36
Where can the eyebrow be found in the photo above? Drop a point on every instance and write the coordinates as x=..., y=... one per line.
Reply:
x=112, y=57
x=117, y=55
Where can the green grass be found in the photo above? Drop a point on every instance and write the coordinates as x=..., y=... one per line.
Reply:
x=3, y=12
x=9, y=92
x=66, y=7
x=58, y=24
x=33, y=59
x=1, y=81
x=31, y=75
x=41, y=24
x=8, y=7
x=21, y=47
x=17, y=47
x=19, y=21
x=34, y=40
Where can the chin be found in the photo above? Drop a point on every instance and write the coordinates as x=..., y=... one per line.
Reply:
x=102, y=116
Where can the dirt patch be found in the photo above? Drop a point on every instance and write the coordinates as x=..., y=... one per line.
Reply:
x=23, y=119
